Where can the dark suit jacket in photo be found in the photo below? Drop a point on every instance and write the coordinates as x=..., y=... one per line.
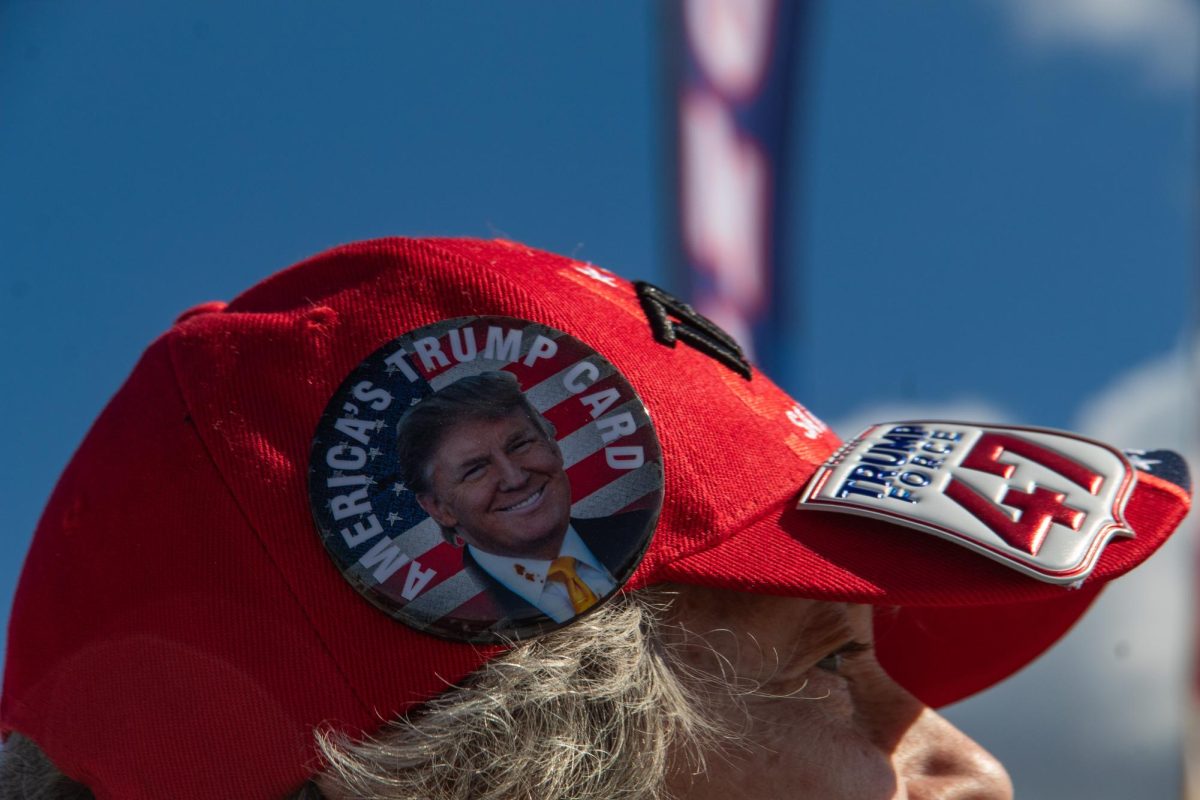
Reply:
x=615, y=541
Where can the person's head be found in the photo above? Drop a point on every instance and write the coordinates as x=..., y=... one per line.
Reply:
x=186, y=570
x=678, y=692
x=691, y=693
x=484, y=464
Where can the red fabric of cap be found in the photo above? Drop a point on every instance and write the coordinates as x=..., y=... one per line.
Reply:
x=179, y=629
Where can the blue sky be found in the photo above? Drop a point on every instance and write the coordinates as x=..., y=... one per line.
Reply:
x=993, y=204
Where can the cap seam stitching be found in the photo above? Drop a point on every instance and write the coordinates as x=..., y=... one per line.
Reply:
x=172, y=335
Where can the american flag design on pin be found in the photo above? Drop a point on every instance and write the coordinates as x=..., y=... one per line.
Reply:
x=372, y=525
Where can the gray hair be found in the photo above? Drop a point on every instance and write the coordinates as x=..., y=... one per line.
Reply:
x=26, y=774
x=594, y=711
x=602, y=709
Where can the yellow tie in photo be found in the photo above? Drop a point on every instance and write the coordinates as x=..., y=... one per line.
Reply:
x=562, y=570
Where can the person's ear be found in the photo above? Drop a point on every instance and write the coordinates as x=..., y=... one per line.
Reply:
x=436, y=509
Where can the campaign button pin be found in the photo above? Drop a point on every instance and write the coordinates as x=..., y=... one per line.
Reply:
x=485, y=478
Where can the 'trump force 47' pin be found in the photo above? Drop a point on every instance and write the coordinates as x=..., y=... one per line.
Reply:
x=1043, y=502
x=485, y=478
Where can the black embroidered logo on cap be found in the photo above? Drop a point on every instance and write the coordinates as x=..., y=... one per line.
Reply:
x=690, y=327
x=485, y=478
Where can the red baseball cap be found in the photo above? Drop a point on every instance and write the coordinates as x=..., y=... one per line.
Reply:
x=180, y=628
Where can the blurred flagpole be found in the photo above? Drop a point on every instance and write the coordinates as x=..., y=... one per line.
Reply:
x=729, y=65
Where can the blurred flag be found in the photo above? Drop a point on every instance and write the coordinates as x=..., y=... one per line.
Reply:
x=730, y=65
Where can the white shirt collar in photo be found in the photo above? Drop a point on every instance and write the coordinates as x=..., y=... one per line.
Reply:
x=526, y=577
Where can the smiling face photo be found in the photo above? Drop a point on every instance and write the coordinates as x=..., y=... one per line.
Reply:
x=484, y=464
x=499, y=485
x=485, y=478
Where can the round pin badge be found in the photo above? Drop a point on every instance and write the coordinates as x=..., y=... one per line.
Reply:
x=485, y=479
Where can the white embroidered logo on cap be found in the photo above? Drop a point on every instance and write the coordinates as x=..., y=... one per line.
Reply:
x=1043, y=502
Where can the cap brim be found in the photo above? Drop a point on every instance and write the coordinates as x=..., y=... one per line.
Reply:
x=949, y=622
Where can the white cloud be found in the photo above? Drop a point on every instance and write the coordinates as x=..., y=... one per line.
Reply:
x=1161, y=36
x=1151, y=406
x=1146, y=407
